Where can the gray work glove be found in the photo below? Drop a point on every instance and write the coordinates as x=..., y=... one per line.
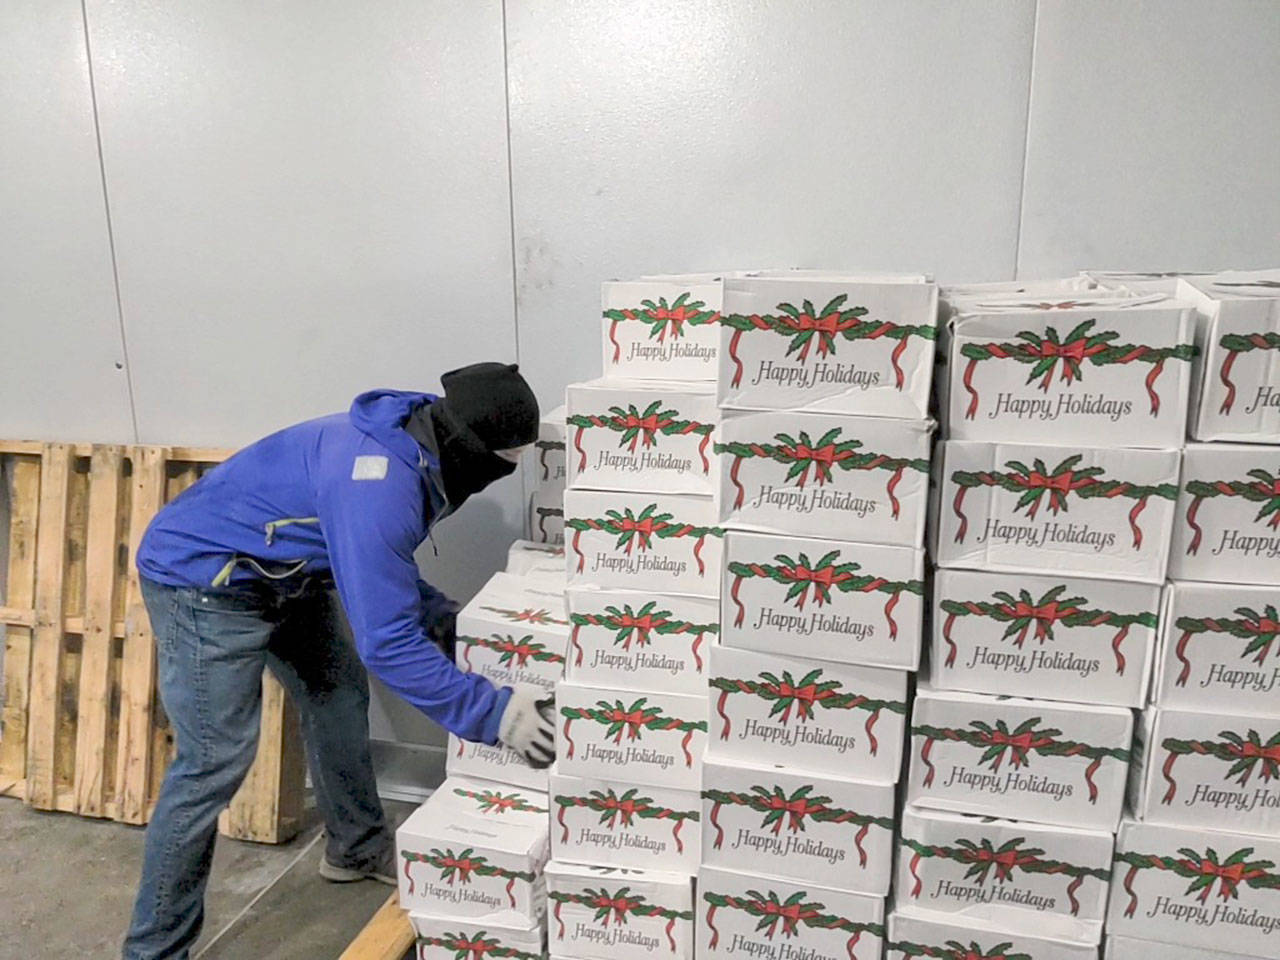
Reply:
x=528, y=727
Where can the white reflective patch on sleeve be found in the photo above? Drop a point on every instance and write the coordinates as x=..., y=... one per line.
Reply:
x=369, y=468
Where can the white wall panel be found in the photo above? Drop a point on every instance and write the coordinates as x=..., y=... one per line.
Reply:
x=62, y=371
x=659, y=136
x=311, y=200
x=1153, y=137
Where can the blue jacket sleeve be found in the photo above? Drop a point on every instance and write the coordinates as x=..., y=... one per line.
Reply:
x=371, y=529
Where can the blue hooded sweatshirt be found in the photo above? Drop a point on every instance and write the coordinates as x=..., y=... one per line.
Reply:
x=353, y=494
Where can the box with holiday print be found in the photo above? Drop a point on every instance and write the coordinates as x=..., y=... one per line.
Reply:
x=839, y=346
x=821, y=475
x=814, y=715
x=1217, y=648
x=840, y=601
x=641, y=641
x=1026, y=509
x=1112, y=369
x=546, y=516
x=786, y=823
x=1204, y=769
x=652, y=435
x=1034, y=760
x=664, y=328
x=1197, y=887
x=1228, y=522
x=921, y=933
x=1129, y=948
x=1238, y=330
x=448, y=938
x=514, y=632
x=1062, y=638
x=641, y=541
x=746, y=914
x=658, y=736
x=986, y=869
x=622, y=914
x=550, y=472
x=608, y=822
x=475, y=851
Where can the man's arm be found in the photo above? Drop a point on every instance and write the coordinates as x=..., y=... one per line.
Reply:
x=371, y=529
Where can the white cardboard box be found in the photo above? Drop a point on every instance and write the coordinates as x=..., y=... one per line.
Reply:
x=641, y=641
x=812, y=715
x=1128, y=948
x=1032, y=760
x=824, y=475
x=513, y=632
x=984, y=869
x=1228, y=522
x=773, y=919
x=785, y=823
x=846, y=602
x=1238, y=330
x=1200, y=888
x=659, y=736
x=461, y=857
x=549, y=467
x=541, y=560
x=838, y=346
x=654, y=435
x=1207, y=769
x=608, y=822
x=1083, y=510
x=1061, y=638
x=1112, y=370
x=622, y=914
x=663, y=328
x=640, y=541
x=917, y=933
x=1217, y=649
x=546, y=516
x=447, y=938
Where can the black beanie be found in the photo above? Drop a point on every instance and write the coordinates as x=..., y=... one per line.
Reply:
x=486, y=407
x=494, y=402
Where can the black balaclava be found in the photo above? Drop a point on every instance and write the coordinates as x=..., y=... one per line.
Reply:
x=486, y=407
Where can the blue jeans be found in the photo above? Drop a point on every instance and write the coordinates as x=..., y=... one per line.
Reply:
x=212, y=646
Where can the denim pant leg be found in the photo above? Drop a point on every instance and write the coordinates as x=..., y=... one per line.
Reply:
x=313, y=654
x=211, y=653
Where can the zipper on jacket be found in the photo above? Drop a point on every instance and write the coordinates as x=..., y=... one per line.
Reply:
x=272, y=526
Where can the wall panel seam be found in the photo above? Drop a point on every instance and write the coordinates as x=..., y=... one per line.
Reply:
x=111, y=241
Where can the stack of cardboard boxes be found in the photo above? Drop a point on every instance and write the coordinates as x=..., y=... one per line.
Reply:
x=1065, y=410
x=472, y=857
x=643, y=556
x=1197, y=865
x=824, y=441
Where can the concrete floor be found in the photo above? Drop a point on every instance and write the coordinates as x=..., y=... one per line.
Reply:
x=67, y=885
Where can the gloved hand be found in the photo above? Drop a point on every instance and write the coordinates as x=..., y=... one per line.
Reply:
x=528, y=727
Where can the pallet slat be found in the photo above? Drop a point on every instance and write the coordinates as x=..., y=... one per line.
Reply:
x=46, y=653
x=138, y=667
x=94, y=704
x=24, y=493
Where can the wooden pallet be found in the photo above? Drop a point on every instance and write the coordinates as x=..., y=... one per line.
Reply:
x=387, y=936
x=83, y=728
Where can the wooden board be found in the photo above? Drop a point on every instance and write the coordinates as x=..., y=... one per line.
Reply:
x=23, y=475
x=387, y=936
x=46, y=651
